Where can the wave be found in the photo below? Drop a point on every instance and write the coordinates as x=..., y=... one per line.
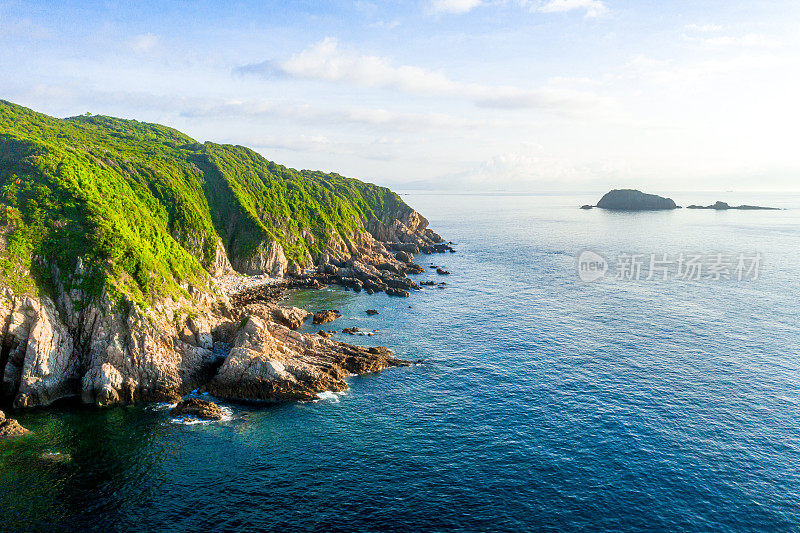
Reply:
x=227, y=416
x=330, y=396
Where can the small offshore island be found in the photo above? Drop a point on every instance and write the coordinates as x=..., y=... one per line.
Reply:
x=634, y=200
x=139, y=265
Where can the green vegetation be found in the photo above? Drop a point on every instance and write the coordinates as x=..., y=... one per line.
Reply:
x=145, y=207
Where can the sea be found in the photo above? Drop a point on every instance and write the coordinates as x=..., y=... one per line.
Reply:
x=580, y=370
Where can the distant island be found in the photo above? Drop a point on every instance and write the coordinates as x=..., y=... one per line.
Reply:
x=634, y=200
x=722, y=206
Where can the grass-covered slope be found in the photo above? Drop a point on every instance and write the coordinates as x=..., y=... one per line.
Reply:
x=146, y=207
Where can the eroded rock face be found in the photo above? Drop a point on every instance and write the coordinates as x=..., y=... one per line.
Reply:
x=91, y=349
x=270, y=362
x=197, y=408
x=268, y=259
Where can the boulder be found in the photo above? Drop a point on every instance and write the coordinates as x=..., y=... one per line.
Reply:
x=397, y=292
x=291, y=317
x=11, y=428
x=405, y=257
x=371, y=312
x=325, y=316
x=197, y=408
x=442, y=272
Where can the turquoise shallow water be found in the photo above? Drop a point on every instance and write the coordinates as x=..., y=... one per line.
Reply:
x=542, y=402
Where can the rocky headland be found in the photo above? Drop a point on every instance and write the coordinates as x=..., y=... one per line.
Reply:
x=174, y=289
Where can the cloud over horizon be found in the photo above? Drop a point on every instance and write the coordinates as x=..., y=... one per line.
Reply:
x=327, y=61
x=525, y=92
x=593, y=8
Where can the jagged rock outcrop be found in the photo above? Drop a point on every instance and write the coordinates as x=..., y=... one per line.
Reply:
x=107, y=356
x=270, y=362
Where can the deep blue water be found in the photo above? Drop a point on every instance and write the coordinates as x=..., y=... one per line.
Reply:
x=543, y=402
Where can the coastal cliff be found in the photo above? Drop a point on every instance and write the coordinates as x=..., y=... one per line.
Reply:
x=119, y=242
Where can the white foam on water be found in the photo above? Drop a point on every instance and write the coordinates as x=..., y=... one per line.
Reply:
x=330, y=396
x=227, y=416
x=161, y=406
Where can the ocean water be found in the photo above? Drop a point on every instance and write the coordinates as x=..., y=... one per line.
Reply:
x=540, y=402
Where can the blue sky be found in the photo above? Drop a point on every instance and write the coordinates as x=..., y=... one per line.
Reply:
x=517, y=95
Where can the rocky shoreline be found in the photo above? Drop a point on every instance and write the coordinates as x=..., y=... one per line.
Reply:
x=233, y=340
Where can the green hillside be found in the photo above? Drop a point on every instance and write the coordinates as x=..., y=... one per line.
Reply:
x=145, y=206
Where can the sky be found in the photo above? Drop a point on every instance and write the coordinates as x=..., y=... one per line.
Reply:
x=474, y=95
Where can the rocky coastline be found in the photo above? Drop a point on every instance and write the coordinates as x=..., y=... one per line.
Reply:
x=233, y=340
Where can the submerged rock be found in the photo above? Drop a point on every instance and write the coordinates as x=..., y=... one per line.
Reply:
x=325, y=316
x=198, y=408
x=633, y=200
x=10, y=427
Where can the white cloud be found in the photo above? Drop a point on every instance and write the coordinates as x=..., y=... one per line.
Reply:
x=385, y=24
x=454, y=6
x=751, y=40
x=594, y=8
x=328, y=62
x=380, y=149
x=534, y=167
x=325, y=61
x=704, y=28
x=145, y=42
x=24, y=28
x=318, y=115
